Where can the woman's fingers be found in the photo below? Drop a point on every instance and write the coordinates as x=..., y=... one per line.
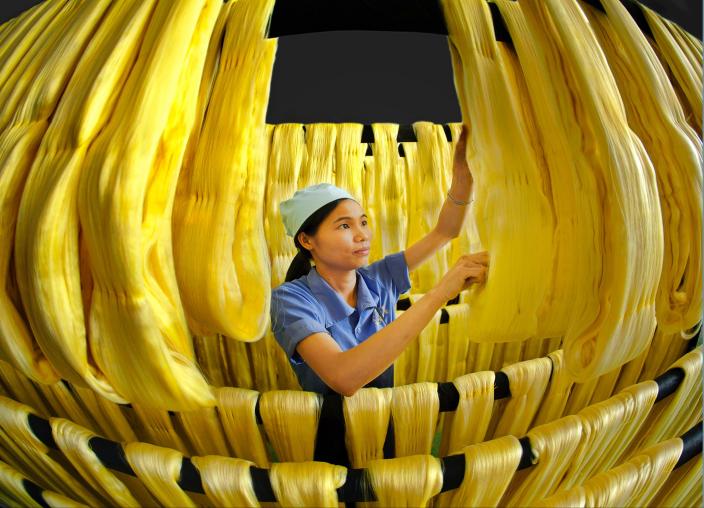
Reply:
x=481, y=258
x=474, y=274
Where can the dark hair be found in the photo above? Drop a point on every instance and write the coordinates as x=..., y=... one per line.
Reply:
x=300, y=265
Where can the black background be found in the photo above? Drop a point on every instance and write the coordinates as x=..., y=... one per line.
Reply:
x=364, y=76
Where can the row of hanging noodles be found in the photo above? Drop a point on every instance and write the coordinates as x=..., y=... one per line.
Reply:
x=570, y=456
x=540, y=392
x=131, y=133
x=603, y=431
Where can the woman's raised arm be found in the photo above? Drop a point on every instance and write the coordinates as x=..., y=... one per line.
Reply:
x=452, y=214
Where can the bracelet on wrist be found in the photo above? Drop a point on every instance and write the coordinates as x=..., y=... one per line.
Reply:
x=457, y=201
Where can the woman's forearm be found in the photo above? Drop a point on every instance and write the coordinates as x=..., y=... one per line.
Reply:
x=452, y=215
x=363, y=363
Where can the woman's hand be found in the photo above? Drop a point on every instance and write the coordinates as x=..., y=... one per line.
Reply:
x=469, y=269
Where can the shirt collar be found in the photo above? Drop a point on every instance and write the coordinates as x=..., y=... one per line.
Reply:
x=335, y=306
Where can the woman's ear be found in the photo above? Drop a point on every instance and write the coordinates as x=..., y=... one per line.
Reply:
x=304, y=240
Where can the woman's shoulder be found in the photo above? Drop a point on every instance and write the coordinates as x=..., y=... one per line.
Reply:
x=388, y=273
x=295, y=288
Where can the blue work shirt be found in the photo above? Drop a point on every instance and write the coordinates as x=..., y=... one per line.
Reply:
x=309, y=305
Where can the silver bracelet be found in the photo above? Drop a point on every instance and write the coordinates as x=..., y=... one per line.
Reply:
x=457, y=201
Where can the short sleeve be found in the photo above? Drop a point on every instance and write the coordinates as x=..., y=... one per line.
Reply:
x=392, y=269
x=294, y=316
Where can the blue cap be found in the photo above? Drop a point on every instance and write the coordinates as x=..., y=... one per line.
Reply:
x=305, y=202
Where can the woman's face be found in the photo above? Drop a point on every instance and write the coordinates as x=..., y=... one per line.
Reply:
x=343, y=239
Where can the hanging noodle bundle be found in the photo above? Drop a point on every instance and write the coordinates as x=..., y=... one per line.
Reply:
x=607, y=430
x=687, y=73
x=17, y=437
x=349, y=160
x=657, y=117
x=47, y=236
x=632, y=255
x=213, y=196
x=304, y=484
x=34, y=73
x=527, y=381
x=512, y=213
x=553, y=445
x=291, y=421
x=125, y=197
x=414, y=409
x=634, y=483
x=227, y=481
x=489, y=468
x=236, y=407
x=468, y=424
x=74, y=442
x=159, y=469
x=405, y=481
x=425, y=198
x=366, y=422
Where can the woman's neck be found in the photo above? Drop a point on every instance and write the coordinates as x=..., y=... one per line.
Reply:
x=344, y=282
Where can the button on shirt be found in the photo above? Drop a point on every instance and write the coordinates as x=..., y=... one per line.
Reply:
x=309, y=305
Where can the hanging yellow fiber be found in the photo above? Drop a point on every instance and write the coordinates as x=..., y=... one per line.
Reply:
x=47, y=235
x=212, y=196
x=19, y=387
x=384, y=197
x=291, y=421
x=287, y=158
x=12, y=488
x=227, y=481
x=553, y=445
x=288, y=154
x=683, y=486
x=236, y=407
x=349, y=160
x=632, y=252
x=488, y=470
x=125, y=198
x=426, y=172
x=633, y=483
x=33, y=78
x=203, y=430
x=427, y=348
x=608, y=428
x=414, y=409
x=557, y=394
x=18, y=438
x=108, y=416
x=405, y=481
x=468, y=424
x=305, y=484
x=319, y=167
x=656, y=116
x=512, y=214
x=21, y=33
x=688, y=76
x=159, y=469
x=676, y=414
x=157, y=428
x=73, y=441
x=572, y=187
x=458, y=324
x=366, y=423
x=527, y=381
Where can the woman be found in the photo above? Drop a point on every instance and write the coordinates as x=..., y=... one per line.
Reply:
x=335, y=321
